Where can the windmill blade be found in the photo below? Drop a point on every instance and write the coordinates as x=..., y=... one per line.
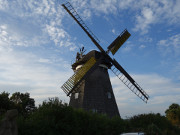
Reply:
x=69, y=8
x=75, y=79
x=128, y=81
x=118, y=42
x=73, y=83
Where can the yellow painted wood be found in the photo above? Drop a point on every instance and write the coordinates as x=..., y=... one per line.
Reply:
x=74, y=79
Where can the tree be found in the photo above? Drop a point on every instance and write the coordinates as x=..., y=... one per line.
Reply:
x=5, y=103
x=173, y=114
x=23, y=102
x=4, y=100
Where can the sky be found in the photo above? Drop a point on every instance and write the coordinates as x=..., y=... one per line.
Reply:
x=39, y=41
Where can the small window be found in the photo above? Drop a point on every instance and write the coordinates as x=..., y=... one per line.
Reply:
x=76, y=95
x=109, y=95
x=94, y=110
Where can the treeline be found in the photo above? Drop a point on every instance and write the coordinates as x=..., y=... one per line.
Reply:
x=53, y=117
x=20, y=101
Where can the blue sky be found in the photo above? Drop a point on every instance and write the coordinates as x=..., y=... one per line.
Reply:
x=39, y=41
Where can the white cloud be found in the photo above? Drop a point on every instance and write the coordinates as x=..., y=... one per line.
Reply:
x=145, y=39
x=82, y=7
x=86, y=8
x=144, y=20
x=113, y=31
x=3, y=4
x=33, y=23
x=42, y=60
x=17, y=35
x=176, y=70
x=170, y=45
x=56, y=33
x=142, y=46
x=157, y=87
x=152, y=12
x=104, y=6
x=145, y=13
x=26, y=72
x=60, y=37
x=124, y=4
x=128, y=47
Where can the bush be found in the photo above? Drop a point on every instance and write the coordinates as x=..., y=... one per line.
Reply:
x=153, y=124
x=56, y=118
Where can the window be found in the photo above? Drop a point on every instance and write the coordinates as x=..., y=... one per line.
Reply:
x=109, y=95
x=94, y=110
x=76, y=95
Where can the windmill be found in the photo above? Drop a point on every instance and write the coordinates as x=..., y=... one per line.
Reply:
x=90, y=87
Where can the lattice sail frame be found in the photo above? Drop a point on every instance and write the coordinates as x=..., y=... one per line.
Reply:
x=68, y=7
x=71, y=83
x=136, y=90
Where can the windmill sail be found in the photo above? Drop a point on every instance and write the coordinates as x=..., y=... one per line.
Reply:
x=81, y=23
x=78, y=76
x=129, y=81
x=119, y=41
x=74, y=82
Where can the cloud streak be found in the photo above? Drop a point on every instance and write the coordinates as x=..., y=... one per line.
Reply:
x=33, y=23
x=152, y=12
x=170, y=45
x=22, y=71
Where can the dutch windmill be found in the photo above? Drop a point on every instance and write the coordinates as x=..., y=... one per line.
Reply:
x=90, y=87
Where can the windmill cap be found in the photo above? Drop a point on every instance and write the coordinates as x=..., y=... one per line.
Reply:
x=86, y=57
